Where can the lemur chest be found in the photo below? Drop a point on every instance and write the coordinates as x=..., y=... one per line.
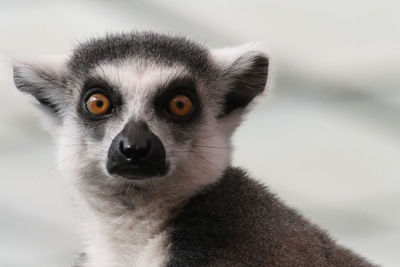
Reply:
x=128, y=242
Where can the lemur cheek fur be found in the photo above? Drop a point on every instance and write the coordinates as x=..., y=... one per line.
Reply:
x=151, y=118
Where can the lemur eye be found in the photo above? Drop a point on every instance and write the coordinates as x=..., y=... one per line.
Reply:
x=98, y=104
x=180, y=105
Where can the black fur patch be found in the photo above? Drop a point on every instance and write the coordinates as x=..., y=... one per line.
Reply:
x=237, y=222
x=246, y=84
x=161, y=48
x=96, y=124
x=183, y=128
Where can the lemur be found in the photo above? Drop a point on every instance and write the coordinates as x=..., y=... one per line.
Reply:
x=143, y=122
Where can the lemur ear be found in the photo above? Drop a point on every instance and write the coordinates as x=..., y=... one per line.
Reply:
x=44, y=79
x=244, y=75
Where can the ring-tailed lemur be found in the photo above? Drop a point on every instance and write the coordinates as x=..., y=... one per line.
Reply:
x=144, y=122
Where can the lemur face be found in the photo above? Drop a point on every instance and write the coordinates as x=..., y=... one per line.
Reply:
x=144, y=106
x=139, y=118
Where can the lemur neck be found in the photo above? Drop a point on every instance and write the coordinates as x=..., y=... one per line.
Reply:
x=128, y=227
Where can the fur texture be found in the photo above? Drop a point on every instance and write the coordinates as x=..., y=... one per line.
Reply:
x=238, y=222
x=201, y=211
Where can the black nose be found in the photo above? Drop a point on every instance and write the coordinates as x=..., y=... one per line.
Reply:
x=136, y=153
x=135, y=143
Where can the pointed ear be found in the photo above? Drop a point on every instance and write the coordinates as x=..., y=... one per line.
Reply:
x=244, y=75
x=44, y=79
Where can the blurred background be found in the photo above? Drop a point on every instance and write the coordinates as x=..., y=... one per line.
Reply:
x=326, y=138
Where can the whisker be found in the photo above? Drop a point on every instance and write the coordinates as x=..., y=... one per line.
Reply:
x=201, y=157
x=215, y=147
x=59, y=163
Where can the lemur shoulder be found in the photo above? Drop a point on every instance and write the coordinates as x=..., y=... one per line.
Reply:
x=145, y=121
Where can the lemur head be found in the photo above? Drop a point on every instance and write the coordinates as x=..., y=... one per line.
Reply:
x=144, y=107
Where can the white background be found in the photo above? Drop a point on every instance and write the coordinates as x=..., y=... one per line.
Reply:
x=326, y=138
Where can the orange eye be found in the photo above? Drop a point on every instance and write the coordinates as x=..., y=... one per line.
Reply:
x=180, y=105
x=98, y=104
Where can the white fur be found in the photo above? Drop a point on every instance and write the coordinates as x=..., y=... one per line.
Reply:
x=225, y=57
x=129, y=240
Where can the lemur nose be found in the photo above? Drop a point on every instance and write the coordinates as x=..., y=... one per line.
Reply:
x=136, y=153
x=135, y=144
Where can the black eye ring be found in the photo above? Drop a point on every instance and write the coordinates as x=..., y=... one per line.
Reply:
x=176, y=105
x=163, y=103
x=89, y=114
x=184, y=87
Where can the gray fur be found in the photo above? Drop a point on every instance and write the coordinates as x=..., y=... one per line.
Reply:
x=201, y=211
x=238, y=222
x=162, y=49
